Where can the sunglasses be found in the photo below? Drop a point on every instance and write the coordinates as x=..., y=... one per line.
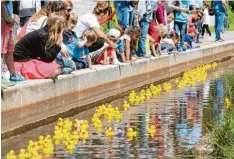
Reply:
x=69, y=10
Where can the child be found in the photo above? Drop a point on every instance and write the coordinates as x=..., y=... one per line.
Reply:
x=7, y=40
x=206, y=21
x=176, y=40
x=78, y=49
x=109, y=55
x=69, y=36
x=130, y=36
x=189, y=38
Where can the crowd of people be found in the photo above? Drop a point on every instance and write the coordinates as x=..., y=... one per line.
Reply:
x=55, y=41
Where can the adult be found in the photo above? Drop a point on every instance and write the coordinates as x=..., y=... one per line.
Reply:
x=160, y=13
x=123, y=12
x=170, y=22
x=35, y=52
x=39, y=19
x=199, y=7
x=181, y=10
x=145, y=14
x=69, y=7
x=91, y=21
x=220, y=8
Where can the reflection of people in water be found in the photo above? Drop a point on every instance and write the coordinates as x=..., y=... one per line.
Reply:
x=218, y=99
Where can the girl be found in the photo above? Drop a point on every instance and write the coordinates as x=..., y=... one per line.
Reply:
x=131, y=35
x=7, y=42
x=206, y=21
x=35, y=52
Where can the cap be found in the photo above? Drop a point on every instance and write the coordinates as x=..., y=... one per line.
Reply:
x=114, y=33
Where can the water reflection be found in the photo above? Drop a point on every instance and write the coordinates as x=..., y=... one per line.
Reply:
x=181, y=118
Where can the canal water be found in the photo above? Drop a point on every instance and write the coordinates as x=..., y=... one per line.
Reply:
x=181, y=118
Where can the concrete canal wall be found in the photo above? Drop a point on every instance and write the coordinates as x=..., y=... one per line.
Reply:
x=36, y=102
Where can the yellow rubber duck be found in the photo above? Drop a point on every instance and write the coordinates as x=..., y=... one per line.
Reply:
x=60, y=122
x=11, y=155
x=216, y=75
x=227, y=103
x=75, y=137
x=110, y=132
x=137, y=100
x=131, y=134
x=23, y=154
x=67, y=124
x=70, y=147
x=214, y=65
x=84, y=135
x=126, y=106
x=36, y=155
x=131, y=99
x=151, y=131
x=98, y=125
x=41, y=142
x=46, y=150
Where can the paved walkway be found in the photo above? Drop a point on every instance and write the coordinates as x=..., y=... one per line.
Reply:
x=227, y=35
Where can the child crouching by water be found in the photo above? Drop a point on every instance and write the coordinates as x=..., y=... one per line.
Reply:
x=109, y=55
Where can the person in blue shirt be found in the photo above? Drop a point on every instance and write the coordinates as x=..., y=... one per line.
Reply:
x=220, y=9
x=189, y=38
x=78, y=49
x=181, y=11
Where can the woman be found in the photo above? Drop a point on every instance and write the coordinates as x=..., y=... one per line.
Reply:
x=35, y=52
x=91, y=21
x=39, y=20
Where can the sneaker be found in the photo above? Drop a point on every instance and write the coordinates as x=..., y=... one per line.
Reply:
x=66, y=70
x=6, y=83
x=16, y=77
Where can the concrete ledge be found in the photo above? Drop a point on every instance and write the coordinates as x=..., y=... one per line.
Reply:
x=35, y=100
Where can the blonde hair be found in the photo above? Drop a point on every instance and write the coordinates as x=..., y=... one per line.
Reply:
x=73, y=18
x=162, y=28
x=55, y=26
x=68, y=3
x=90, y=35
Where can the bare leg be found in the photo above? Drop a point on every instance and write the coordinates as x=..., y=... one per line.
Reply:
x=55, y=74
x=153, y=49
x=10, y=62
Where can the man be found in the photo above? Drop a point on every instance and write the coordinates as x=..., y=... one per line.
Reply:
x=220, y=9
x=181, y=10
x=145, y=14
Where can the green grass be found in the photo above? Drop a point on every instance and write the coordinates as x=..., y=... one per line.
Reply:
x=222, y=136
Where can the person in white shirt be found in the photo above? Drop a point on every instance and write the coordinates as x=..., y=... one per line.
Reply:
x=206, y=21
x=91, y=21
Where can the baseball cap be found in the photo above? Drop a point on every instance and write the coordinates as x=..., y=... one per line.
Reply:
x=114, y=33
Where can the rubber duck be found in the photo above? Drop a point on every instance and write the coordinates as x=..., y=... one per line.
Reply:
x=67, y=124
x=131, y=134
x=151, y=131
x=177, y=81
x=30, y=143
x=110, y=132
x=84, y=126
x=70, y=147
x=227, y=103
x=46, y=150
x=84, y=135
x=131, y=100
x=41, y=142
x=126, y=106
x=142, y=92
x=75, y=137
x=142, y=99
x=98, y=125
x=216, y=75
x=137, y=100
x=76, y=125
x=23, y=154
x=36, y=155
x=214, y=65
x=11, y=155
x=60, y=122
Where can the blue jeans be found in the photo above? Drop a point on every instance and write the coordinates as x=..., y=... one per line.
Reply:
x=123, y=12
x=219, y=20
x=144, y=31
x=180, y=28
x=199, y=27
x=167, y=47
